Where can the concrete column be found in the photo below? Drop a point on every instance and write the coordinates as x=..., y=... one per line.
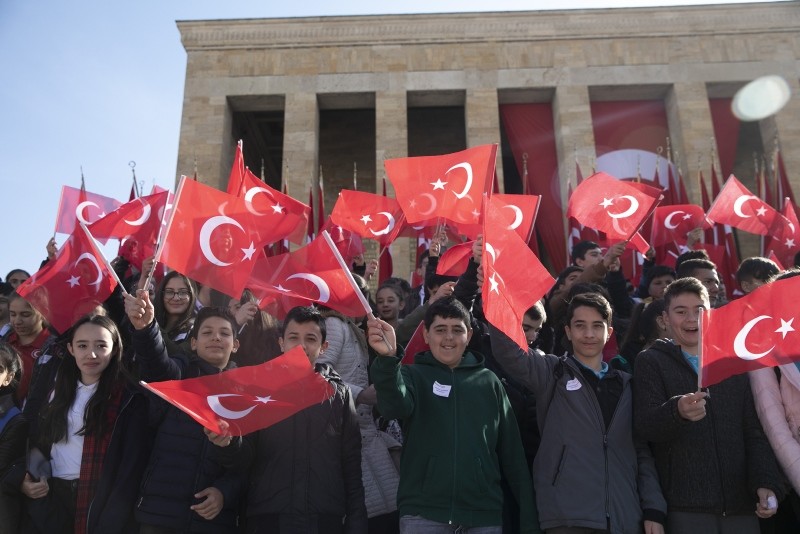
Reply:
x=205, y=138
x=301, y=143
x=483, y=124
x=785, y=128
x=391, y=141
x=691, y=130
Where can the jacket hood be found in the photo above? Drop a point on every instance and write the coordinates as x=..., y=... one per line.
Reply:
x=471, y=358
x=665, y=346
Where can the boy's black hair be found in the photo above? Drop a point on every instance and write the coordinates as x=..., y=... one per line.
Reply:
x=305, y=314
x=590, y=300
x=580, y=249
x=699, y=254
x=213, y=311
x=10, y=361
x=447, y=308
x=688, y=267
x=537, y=312
x=588, y=287
x=757, y=268
x=685, y=285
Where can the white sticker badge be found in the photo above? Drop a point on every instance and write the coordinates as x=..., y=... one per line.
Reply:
x=574, y=385
x=441, y=390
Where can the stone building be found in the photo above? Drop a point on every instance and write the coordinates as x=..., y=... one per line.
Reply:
x=342, y=94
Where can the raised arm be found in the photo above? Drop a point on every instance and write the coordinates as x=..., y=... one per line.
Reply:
x=395, y=394
x=154, y=362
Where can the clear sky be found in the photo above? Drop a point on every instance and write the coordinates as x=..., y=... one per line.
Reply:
x=99, y=84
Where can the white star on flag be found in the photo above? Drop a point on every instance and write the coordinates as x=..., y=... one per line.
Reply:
x=687, y=216
x=789, y=243
x=264, y=400
x=277, y=208
x=366, y=219
x=761, y=211
x=74, y=281
x=786, y=327
x=494, y=283
x=438, y=184
x=606, y=202
x=248, y=252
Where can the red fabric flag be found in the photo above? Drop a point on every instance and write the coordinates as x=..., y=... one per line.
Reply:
x=248, y=398
x=311, y=273
x=752, y=332
x=784, y=187
x=613, y=206
x=368, y=215
x=213, y=237
x=520, y=212
x=672, y=223
x=455, y=259
x=785, y=241
x=385, y=260
x=450, y=186
x=738, y=207
x=320, y=204
x=514, y=278
x=264, y=201
x=78, y=206
x=773, y=257
x=348, y=243
x=415, y=345
x=72, y=284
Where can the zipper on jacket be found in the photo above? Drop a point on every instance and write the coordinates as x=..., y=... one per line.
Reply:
x=455, y=444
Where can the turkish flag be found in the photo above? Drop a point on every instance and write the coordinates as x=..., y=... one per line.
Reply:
x=80, y=206
x=513, y=277
x=738, y=207
x=773, y=257
x=368, y=215
x=248, y=398
x=455, y=259
x=449, y=186
x=672, y=223
x=72, y=284
x=613, y=206
x=264, y=201
x=520, y=213
x=785, y=239
x=214, y=238
x=415, y=345
x=348, y=243
x=751, y=332
x=311, y=274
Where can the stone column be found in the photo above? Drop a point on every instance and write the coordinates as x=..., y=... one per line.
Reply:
x=785, y=128
x=483, y=124
x=691, y=130
x=301, y=144
x=391, y=141
x=572, y=123
x=205, y=138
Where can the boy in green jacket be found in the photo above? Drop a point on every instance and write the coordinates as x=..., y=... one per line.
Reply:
x=461, y=436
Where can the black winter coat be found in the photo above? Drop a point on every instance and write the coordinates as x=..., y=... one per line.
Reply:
x=183, y=461
x=714, y=465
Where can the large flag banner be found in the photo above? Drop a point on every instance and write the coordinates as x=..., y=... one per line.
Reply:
x=248, y=398
x=450, y=186
x=214, y=238
x=613, y=206
x=262, y=200
x=72, y=284
x=368, y=215
x=738, y=207
x=672, y=223
x=312, y=274
x=752, y=332
x=79, y=206
x=513, y=277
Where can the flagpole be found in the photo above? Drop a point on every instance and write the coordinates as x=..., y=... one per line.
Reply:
x=60, y=202
x=164, y=229
x=102, y=256
x=700, y=348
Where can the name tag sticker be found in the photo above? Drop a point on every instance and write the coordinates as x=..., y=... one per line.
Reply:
x=441, y=390
x=573, y=385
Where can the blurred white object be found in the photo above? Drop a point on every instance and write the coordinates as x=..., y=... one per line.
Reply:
x=761, y=98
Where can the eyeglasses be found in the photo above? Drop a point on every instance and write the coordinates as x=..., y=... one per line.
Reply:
x=170, y=294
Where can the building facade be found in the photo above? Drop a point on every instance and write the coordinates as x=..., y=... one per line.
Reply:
x=559, y=90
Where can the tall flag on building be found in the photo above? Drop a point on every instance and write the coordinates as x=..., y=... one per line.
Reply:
x=72, y=284
x=752, y=332
x=249, y=398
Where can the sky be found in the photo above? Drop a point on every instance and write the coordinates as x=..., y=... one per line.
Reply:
x=96, y=85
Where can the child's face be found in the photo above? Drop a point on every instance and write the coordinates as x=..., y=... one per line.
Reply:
x=215, y=342
x=447, y=338
x=588, y=331
x=306, y=334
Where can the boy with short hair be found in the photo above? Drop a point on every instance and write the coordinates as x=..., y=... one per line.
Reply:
x=715, y=465
x=590, y=473
x=755, y=272
x=461, y=437
x=305, y=471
